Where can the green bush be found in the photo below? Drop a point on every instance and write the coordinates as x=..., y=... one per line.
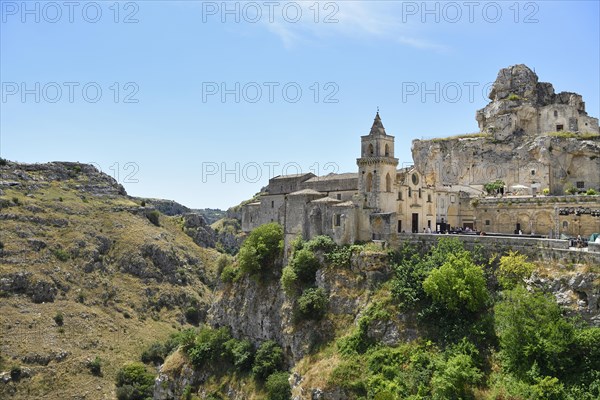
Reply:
x=321, y=243
x=59, y=319
x=268, y=359
x=289, y=280
x=95, y=366
x=458, y=283
x=455, y=378
x=134, y=382
x=155, y=353
x=494, y=187
x=531, y=330
x=350, y=375
x=61, y=254
x=15, y=373
x=154, y=217
x=340, y=256
x=230, y=273
x=262, y=249
x=305, y=265
x=513, y=269
x=223, y=261
x=209, y=346
x=591, y=192
x=278, y=386
x=192, y=315
x=241, y=353
x=312, y=304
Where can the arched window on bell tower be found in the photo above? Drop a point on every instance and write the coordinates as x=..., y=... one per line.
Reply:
x=371, y=150
x=387, y=150
x=369, y=183
x=388, y=182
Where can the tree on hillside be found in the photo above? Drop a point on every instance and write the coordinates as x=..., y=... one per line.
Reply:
x=262, y=249
x=458, y=283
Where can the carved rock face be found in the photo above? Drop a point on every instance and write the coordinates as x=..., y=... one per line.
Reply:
x=522, y=105
x=517, y=80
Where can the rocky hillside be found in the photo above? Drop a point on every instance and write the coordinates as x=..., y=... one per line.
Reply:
x=359, y=322
x=91, y=281
x=88, y=278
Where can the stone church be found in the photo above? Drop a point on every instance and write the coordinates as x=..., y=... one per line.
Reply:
x=371, y=204
x=542, y=146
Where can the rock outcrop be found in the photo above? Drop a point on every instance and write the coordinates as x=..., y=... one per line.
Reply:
x=578, y=293
x=522, y=105
x=529, y=136
x=242, y=306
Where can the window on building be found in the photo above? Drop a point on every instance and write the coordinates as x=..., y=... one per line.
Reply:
x=429, y=198
x=371, y=151
x=250, y=219
x=487, y=221
x=338, y=196
x=555, y=113
x=420, y=194
x=533, y=172
x=272, y=204
x=387, y=150
x=388, y=183
x=337, y=220
x=369, y=183
x=399, y=226
x=580, y=184
x=565, y=225
x=409, y=193
x=400, y=195
x=415, y=179
x=559, y=128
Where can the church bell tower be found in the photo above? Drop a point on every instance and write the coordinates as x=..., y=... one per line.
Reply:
x=377, y=169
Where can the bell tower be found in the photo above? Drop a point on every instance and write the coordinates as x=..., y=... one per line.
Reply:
x=377, y=169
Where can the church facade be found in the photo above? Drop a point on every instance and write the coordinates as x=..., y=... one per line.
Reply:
x=375, y=202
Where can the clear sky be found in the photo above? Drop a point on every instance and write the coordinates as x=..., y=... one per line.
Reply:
x=200, y=102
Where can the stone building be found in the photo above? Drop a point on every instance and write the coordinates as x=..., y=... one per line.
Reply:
x=377, y=201
x=533, y=140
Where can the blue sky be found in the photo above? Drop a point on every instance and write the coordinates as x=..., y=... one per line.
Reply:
x=200, y=102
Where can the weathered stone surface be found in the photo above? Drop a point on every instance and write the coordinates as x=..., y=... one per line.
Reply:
x=40, y=291
x=196, y=227
x=522, y=105
x=577, y=294
x=167, y=207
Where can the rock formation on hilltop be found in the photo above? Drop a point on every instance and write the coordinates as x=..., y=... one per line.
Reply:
x=529, y=136
x=522, y=105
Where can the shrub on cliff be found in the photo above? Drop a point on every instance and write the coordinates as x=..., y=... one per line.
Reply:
x=312, y=304
x=278, y=387
x=262, y=249
x=134, y=382
x=268, y=359
x=305, y=265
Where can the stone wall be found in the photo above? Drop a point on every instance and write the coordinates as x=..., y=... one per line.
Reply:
x=540, y=215
x=535, y=249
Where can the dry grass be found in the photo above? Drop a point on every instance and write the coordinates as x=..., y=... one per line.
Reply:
x=106, y=312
